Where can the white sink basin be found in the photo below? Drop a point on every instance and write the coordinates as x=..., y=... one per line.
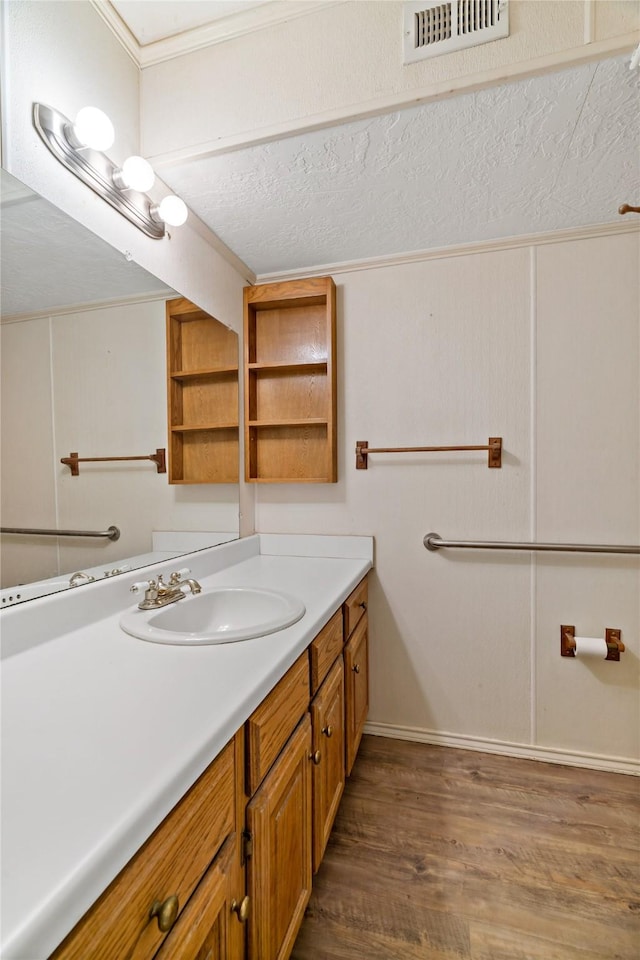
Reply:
x=220, y=615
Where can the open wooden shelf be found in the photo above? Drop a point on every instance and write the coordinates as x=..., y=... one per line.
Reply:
x=204, y=374
x=202, y=379
x=290, y=382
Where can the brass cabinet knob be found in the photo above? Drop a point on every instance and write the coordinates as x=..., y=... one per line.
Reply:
x=328, y=730
x=364, y=605
x=166, y=912
x=242, y=909
x=316, y=757
x=356, y=668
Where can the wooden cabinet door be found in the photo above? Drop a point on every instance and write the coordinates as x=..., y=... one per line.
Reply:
x=356, y=690
x=327, y=724
x=206, y=928
x=279, y=868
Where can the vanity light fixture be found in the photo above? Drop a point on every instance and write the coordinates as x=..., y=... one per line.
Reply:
x=79, y=145
x=136, y=173
x=172, y=210
x=92, y=128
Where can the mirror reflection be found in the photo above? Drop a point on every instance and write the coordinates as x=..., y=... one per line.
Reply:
x=84, y=370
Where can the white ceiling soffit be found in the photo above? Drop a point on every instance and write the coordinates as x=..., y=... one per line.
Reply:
x=155, y=30
x=545, y=153
x=49, y=262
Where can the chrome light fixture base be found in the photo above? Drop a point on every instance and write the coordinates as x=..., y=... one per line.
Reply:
x=95, y=170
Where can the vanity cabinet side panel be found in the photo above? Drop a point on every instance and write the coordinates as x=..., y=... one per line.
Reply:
x=279, y=868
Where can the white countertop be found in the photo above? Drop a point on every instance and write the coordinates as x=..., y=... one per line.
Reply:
x=103, y=733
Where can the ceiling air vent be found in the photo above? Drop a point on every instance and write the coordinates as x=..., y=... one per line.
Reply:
x=432, y=28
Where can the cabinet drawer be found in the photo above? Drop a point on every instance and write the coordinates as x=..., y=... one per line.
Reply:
x=355, y=607
x=270, y=726
x=171, y=863
x=324, y=650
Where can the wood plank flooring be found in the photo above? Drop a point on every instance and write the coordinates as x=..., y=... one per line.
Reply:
x=439, y=854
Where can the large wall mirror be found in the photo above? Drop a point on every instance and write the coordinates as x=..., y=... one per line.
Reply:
x=84, y=369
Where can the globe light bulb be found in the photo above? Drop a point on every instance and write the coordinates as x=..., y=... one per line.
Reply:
x=172, y=210
x=136, y=174
x=92, y=128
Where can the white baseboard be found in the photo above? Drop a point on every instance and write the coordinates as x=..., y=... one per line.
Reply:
x=504, y=748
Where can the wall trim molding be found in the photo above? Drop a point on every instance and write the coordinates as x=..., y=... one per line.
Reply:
x=218, y=31
x=524, y=751
x=134, y=299
x=388, y=103
x=624, y=225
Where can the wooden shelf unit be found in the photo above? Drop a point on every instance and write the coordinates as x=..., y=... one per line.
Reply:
x=202, y=394
x=290, y=382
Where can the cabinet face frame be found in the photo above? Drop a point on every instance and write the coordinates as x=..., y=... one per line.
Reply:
x=290, y=396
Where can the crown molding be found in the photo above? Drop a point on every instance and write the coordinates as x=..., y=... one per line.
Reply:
x=218, y=31
x=118, y=27
x=90, y=305
x=459, y=250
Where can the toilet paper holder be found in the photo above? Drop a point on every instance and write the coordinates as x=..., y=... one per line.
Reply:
x=613, y=639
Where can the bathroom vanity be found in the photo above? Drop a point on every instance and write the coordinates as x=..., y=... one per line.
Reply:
x=191, y=793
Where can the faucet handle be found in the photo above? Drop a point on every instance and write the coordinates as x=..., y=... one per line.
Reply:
x=177, y=575
x=141, y=585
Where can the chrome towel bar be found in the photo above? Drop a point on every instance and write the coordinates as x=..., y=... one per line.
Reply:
x=433, y=541
x=113, y=533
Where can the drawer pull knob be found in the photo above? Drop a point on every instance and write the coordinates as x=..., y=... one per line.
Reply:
x=316, y=757
x=328, y=731
x=242, y=909
x=356, y=668
x=363, y=605
x=166, y=912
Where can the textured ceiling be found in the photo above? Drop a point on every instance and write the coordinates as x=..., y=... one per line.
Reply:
x=546, y=153
x=48, y=261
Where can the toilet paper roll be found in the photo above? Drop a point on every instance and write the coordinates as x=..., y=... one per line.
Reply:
x=591, y=647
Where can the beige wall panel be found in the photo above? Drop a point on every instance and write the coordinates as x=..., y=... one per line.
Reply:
x=616, y=17
x=589, y=705
x=434, y=353
x=588, y=395
x=26, y=456
x=339, y=58
x=588, y=482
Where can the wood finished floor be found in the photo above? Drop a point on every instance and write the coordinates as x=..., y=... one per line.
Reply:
x=439, y=854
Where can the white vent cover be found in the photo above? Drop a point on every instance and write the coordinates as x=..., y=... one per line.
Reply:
x=432, y=28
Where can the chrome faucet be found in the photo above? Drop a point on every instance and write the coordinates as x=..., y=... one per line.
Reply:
x=157, y=593
x=77, y=578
